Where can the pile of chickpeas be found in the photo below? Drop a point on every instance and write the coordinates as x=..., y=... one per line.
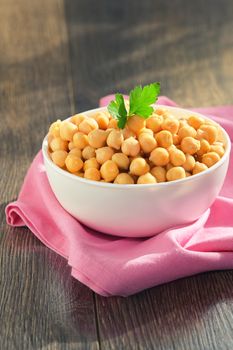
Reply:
x=159, y=149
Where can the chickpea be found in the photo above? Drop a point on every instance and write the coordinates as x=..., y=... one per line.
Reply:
x=109, y=170
x=136, y=123
x=171, y=148
x=139, y=166
x=67, y=130
x=177, y=157
x=130, y=147
x=176, y=173
x=88, y=152
x=147, y=178
x=199, y=167
x=71, y=145
x=171, y=124
x=183, y=122
x=54, y=129
x=58, y=144
x=107, y=132
x=115, y=139
x=73, y=163
x=210, y=158
x=164, y=138
x=97, y=138
x=189, y=163
x=108, y=115
x=121, y=160
x=77, y=152
x=104, y=154
x=87, y=125
x=159, y=173
x=92, y=174
x=102, y=120
x=195, y=121
x=207, y=132
x=218, y=148
x=80, y=140
x=49, y=139
x=59, y=157
x=132, y=158
x=154, y=123
x=146, y=131
x=78, y=119
x=160, y=111
x=169, y=115
x=218, y=143
x=91, y=163
x=113, y=124
x=127, y=133
x=186, y=131
x=190, y=145
x=204, y=147
x=124, y=178
x=210, y=122
x=147, y=142
x=159, y=156
x=176, y=139
x=220, y=136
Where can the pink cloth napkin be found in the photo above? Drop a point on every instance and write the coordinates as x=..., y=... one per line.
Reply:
x=123, y=266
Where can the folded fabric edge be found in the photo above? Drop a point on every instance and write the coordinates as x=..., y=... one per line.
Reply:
x=88, y=281
x=12, y=217
x=17, y=217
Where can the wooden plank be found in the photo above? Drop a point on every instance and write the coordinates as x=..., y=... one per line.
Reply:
x=185, y=45
x=193, y=313
x=41, y=305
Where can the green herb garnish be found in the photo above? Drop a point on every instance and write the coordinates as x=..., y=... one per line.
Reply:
x=140, y=101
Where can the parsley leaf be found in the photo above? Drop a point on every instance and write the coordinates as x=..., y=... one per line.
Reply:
x=121, y=103
x=144, y=111
x=118, y=111
x=121, y=122
x=134, y=99
x=140, y=100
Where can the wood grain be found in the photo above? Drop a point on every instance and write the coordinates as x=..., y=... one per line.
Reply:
x=60, y=56
x=184, y=44
x=41, y=305
x=193, y=313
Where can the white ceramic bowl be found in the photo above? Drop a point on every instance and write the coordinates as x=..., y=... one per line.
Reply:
x=137, y=210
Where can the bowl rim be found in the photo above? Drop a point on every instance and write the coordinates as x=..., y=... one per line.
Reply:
x=139, y=186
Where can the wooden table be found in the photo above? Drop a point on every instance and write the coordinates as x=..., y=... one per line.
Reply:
x=58, y=57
